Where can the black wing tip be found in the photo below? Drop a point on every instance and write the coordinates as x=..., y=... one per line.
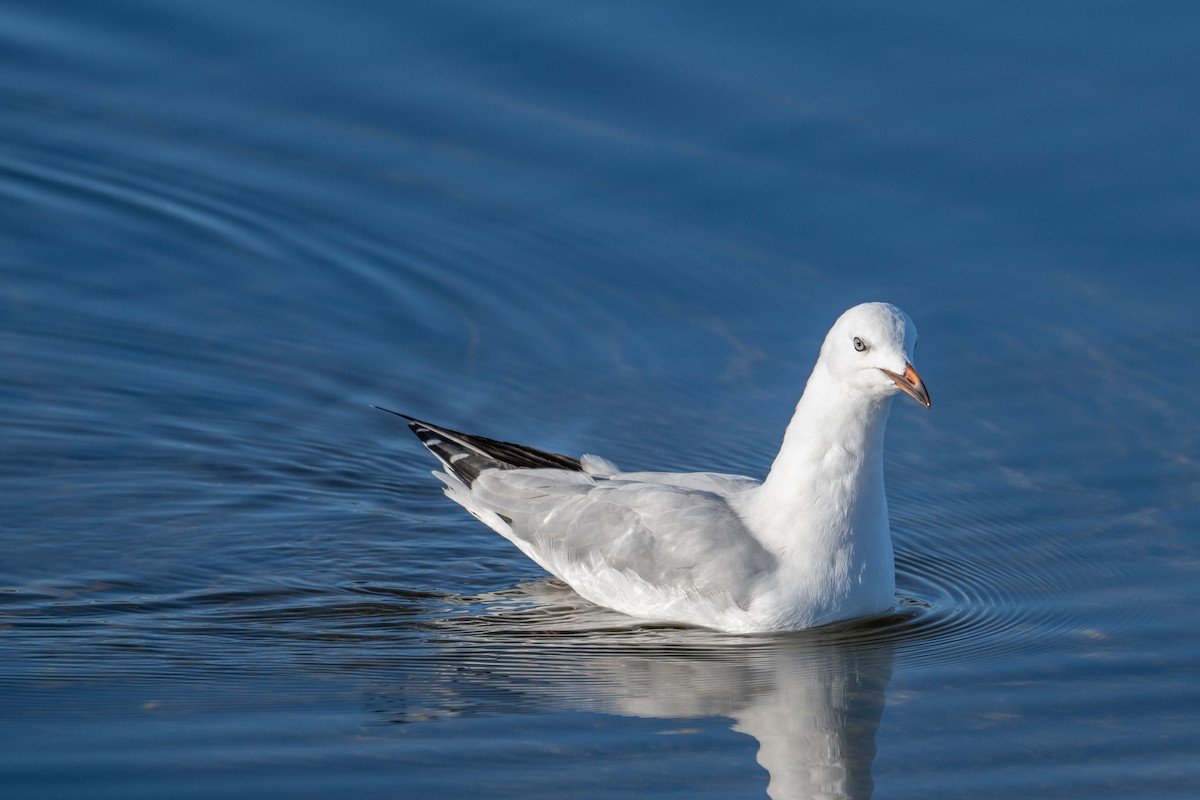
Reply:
x=507, y=455
x=413, y=422
x=397, y=413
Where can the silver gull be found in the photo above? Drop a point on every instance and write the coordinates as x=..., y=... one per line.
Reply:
x=807, y=546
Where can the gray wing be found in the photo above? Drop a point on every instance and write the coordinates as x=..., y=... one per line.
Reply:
x=684, y=541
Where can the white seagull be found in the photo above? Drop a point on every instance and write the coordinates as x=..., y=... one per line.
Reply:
x=807, y=546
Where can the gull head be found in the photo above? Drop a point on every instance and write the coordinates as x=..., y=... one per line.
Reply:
x=870, y=351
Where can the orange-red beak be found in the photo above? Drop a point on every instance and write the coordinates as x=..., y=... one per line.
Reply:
x=910, y=383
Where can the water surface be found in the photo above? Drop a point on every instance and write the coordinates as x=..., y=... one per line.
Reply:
x=226, y=232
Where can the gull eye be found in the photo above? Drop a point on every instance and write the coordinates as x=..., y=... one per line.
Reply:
x=859, y=345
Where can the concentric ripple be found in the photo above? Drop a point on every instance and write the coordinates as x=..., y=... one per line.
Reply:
x=962, y=595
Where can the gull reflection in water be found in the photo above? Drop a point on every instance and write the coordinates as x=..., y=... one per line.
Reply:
x=813, y=700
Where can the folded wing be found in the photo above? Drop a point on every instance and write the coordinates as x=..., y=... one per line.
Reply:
x=619, y=540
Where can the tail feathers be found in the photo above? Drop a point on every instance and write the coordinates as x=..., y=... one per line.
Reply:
x=466, y=456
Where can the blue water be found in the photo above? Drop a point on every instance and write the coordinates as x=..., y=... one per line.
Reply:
x=226, y=230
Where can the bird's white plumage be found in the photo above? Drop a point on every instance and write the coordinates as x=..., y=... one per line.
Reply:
x=807, y=546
